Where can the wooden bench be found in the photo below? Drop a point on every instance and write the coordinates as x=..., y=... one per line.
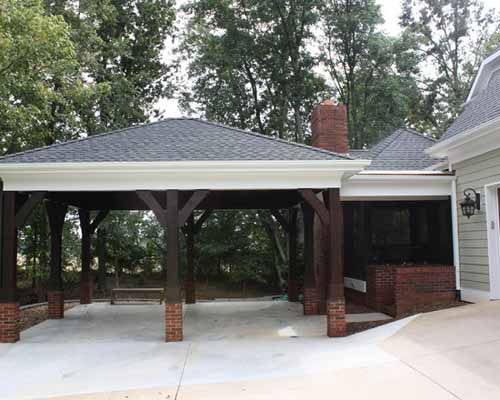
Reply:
x=136, y=294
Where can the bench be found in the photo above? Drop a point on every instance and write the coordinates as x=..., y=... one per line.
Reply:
x=136, y=294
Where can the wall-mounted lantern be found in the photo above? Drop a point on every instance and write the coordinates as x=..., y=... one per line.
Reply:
x=470, y=203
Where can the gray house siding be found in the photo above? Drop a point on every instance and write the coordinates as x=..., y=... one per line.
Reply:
x=475, y=173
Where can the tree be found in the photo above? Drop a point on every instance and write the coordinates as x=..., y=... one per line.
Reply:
x=120, y=43
x=235, y=247
x=249, y=65
x=40, y=85
x=371, y=72
x=451, y=37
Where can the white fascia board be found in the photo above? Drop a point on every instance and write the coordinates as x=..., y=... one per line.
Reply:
x=382, y=185
x=181, y=175
x=468, y=144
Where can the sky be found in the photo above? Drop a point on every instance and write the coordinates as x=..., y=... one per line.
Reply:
x=390, y=11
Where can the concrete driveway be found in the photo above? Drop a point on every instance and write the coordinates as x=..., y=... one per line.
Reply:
x=253, y=350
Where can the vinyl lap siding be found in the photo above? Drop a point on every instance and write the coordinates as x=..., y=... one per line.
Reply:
x=475, y=173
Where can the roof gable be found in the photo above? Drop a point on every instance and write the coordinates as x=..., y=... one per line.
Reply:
x=481, y=109
x=176, y=139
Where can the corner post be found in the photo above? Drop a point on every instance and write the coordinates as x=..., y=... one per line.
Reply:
x=336, y=322
x=293, y=284
x=311, y=298
x=173, y=303
x=55, y=296
x=9, y=307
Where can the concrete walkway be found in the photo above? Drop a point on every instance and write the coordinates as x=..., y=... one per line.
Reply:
x=252, y=350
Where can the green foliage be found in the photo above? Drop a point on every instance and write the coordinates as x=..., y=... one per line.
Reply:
x=119, y=45
x=134, y=239
x=234, y=246
x=249, y=65
x=372, y=72
x=451, y=37
x=40, y=86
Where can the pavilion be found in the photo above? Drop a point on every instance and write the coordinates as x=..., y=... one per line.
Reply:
x=174, y=167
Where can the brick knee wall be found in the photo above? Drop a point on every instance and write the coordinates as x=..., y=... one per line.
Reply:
x=418, y=288
x=380, y=286
x=9, y=322
x=335, y=314
x=190, y=292
x=311, y=301
x=86, y=292
x=404, y=289
x=55, y=301
x=173, y=322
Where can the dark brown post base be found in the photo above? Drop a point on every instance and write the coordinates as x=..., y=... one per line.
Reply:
x=9, y=322
x=55, y=298
x=293, y=290
x=86, y=292
x=190, y=292
x=311, y=301
x=173, y=322
x=335, y=314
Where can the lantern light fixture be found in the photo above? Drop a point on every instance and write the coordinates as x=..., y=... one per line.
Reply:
x=471, y=202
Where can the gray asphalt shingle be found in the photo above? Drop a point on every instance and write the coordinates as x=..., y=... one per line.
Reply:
x=176, y=139
x=400, y=151
x=482, y=108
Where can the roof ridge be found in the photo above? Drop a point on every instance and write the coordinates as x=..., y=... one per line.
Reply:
x=420, y=134
x=81, y=139
x=319, y=150
x=389, y=140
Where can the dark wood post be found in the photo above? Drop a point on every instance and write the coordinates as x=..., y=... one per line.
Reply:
x=293, y=283
x=171, y=219
x=9, y=308
x=311, y=299
x=88, y=228
x=55, y=296
x=173, y=304
x=85, y=283
x=189, y=285
x=336, y=321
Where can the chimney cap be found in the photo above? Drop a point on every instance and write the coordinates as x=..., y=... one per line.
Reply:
x=327, y=103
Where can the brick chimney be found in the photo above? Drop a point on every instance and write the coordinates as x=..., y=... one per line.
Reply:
x=329, y=127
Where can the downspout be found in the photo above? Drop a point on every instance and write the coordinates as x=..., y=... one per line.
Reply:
x=454, y=228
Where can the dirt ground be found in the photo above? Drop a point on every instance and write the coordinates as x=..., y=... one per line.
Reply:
x=33, y=316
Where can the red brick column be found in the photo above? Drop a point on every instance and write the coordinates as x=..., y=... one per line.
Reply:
x=190, y=291
x=173, y=322
x=9, y=322
x=293, y=290
x=55, y=298
x=380, y=286
x=335, y=313
x=86, y=287
x=311, y=301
